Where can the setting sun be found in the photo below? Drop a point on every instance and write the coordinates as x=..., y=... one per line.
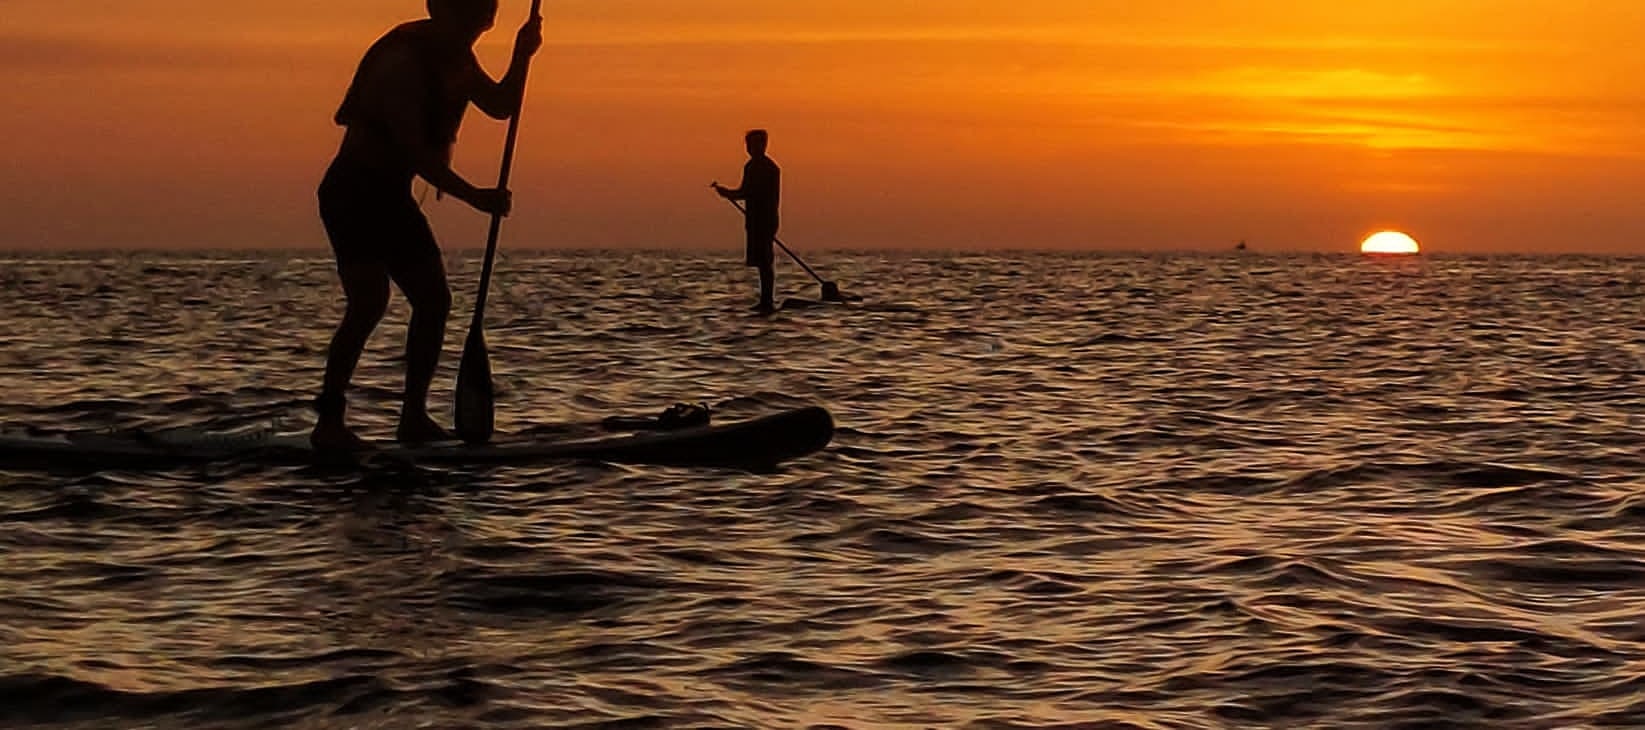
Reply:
x=1390, y=242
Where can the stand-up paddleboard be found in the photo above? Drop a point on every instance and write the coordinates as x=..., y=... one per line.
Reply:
x=760, y=443
x=799, y=303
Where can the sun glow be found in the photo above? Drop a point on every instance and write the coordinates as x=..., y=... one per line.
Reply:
x=1390, y=242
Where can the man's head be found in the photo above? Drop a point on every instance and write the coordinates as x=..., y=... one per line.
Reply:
x=756, y=140
x=468, y=18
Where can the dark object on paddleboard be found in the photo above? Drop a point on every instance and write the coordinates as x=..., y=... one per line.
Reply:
x=677, y=416
x=756, y=444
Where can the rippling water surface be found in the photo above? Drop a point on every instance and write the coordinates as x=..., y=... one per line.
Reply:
x=1067, y=491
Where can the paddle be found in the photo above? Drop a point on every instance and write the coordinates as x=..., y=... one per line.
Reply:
x=476, y=417
x=830, y=290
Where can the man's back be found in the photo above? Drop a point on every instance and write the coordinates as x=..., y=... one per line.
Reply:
x=762, y=186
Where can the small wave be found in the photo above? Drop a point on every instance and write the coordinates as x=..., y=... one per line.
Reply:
x=793, y=670
x=1486, y=476
x=44, y=698
x=944, y=664
x=578, y=591
x=1087, y=505
x=1458, y=631
x=1116, y=338
x=1626, y=512
x=301, y=661
x=1045, y=583
x=1294, y=574
x=899, y=537
x=1588, y=574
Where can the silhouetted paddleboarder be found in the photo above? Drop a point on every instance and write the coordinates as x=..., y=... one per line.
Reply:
x=761, y=189
x=402, y=112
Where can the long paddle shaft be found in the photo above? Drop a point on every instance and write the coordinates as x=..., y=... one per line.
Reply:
x=476, y=401
x=502, y=183
x=788, y=251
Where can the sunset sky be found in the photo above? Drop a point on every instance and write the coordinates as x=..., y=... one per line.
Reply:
x=1475, y=125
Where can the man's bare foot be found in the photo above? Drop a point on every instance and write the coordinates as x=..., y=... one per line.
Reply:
x=336, y=438
x=420, y=429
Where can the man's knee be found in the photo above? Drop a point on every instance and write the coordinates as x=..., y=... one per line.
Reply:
x=366, y=307
x=435, y=301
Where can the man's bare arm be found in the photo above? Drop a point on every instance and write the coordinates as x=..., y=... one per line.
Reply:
x=400, y=98
x=501, y=99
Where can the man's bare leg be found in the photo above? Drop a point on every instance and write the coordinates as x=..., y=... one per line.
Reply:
x=768, y=288
x=366, y=289
x=426, y=288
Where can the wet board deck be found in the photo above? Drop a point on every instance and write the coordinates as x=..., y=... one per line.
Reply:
x=759, y=443
x=803, y=303
x=857, y=304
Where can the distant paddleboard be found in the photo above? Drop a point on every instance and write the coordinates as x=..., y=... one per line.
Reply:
x=803, y=303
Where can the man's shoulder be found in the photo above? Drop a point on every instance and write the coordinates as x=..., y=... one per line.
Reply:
x=405, y=35
x=400, y=43
x=419, y=38
x=413, y=28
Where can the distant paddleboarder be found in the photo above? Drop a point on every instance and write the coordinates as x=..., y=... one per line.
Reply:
x=402, y=112
x=761, y=189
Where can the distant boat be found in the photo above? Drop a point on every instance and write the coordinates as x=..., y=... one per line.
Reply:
x=1240, y=247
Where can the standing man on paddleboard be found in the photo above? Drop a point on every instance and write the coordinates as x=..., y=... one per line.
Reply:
x=761, y=189
x=402, y=112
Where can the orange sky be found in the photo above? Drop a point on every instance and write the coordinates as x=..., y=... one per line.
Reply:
x=1477, y=125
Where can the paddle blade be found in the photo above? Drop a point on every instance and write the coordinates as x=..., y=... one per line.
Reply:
x=476, y=402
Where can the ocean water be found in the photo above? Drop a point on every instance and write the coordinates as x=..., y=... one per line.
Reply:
x=1089, y=491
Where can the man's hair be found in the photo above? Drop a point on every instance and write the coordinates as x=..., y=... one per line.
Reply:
x=756, y=135
x=465, y=10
